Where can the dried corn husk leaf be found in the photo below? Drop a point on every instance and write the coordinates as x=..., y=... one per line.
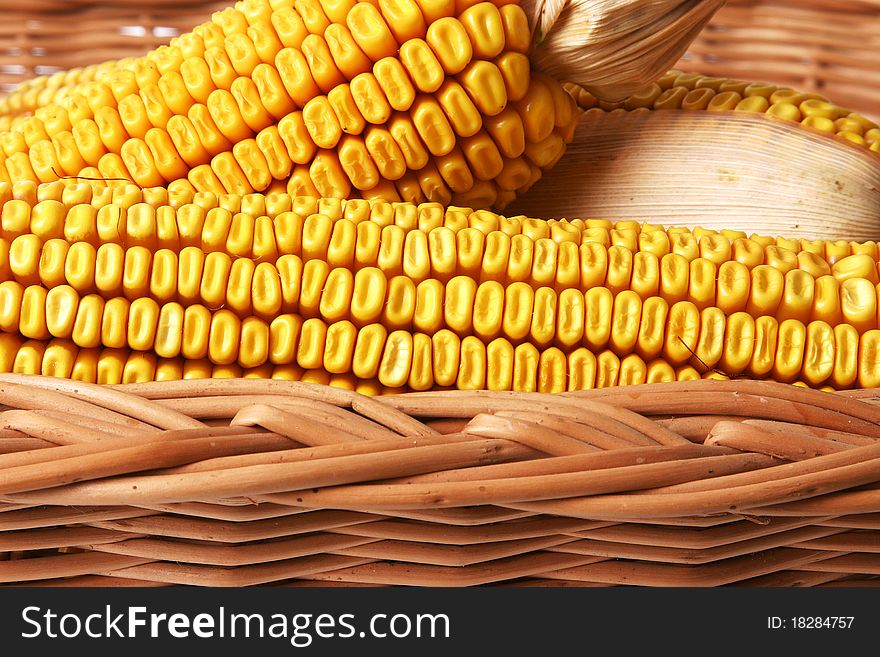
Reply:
x=719, y=170
x=614, y=47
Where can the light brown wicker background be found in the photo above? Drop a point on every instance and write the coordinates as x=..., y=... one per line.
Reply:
x=830, y=46
x=39, y=37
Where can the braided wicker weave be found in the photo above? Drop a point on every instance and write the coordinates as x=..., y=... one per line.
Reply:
x=245, y=482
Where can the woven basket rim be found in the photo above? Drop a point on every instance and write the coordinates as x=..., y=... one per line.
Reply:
x=703, y=483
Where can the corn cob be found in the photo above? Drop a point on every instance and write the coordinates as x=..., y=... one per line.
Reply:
x=465, y=365
x=310, y=306
x=388, y=100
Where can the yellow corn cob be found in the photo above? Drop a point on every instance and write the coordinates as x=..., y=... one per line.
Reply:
x=461, y=314
x=691, y=91
x=258, y=225
x=390, y=100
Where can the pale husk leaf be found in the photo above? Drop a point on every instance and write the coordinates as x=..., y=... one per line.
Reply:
x=614, y=47
x=718, y=170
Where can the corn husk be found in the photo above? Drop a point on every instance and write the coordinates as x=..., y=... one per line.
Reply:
x=614, y=47
x=718, y=170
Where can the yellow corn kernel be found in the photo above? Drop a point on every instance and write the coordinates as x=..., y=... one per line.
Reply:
x=543, y=320
x=625, y=321
x=853, y=266
x=819, y=353
x=846, y=356
x=599, y=302
x=485, y=85
x=798, y=296
x=169, y=331
x=791, y=342
x=11, y=294
x=87, y=327
x=869, y=359
x=702, y=283
x=224, y=337
x=143, y=317
x=371, y=32
x=652, y=327
x=396, y=361
x=29, y=358
x=526, y=359
x=571, y=317
x=813, y=264
x=368, y=296
x=607, y=370
x=581, y=370
x=674, y=277
x=682, y=332
x=422, y=65
x=450, y=43
x=827, y=300
x=764, y=353
x=659, y=371
x=711, y=342
x=858, y=303
x=339, y=347
x=766, y=291
x=254, y=345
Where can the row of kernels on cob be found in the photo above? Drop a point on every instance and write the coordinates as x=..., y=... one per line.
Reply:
x=679, y=90
x=409, y=362
x=360, y=284
x=597, y=319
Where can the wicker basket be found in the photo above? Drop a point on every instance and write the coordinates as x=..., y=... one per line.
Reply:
x=246, y=482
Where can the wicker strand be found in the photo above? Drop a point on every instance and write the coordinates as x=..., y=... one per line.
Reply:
x=746, y=483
